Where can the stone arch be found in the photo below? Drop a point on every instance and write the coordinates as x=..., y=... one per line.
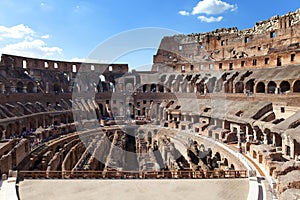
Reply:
x=272, y=87
x=218, y=156
x=250, y=85
x=225, y=162
x=160, y=88
x=285, y=86
x=30, y=87
x=153, y=88
x=19, y=87
x=239, y=87
x=296, y=86
x=232, y=167
x=144, y=88
x=260, y=87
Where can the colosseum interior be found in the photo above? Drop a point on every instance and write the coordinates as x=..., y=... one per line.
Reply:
x=221, y=104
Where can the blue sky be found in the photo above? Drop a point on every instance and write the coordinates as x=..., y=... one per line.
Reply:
x=71, y=30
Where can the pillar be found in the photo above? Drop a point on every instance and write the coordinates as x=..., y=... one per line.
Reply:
x=3, y=88
x=254, y=134
x=265, y=138
x=274, y=140
x=239, y=137
x=164, y=114
x=47, y=87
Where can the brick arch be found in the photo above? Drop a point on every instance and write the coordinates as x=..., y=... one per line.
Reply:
x=250, y=85
x=260, y=87
x=19, y=87
x=285, y=86
x=296, y=86
x=239, y=87
x=30, y=87
x=272, y=87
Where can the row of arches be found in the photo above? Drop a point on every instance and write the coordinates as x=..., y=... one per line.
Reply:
x=272, y=88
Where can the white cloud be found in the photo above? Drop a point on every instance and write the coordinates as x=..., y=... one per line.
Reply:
x=210, y=19
x=212, y=7
x=15, y=32
x=33, y=48
x=23, y=41
x=184, y=13
x=45, y=36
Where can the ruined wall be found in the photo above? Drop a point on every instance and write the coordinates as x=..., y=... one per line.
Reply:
x=273, y=42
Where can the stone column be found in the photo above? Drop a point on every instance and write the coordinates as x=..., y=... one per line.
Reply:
x=47, y=87
x=3, y=88
x=3, y=135
x=239, y=137
x=254, y=135
x=274, y=140
x=164, y=114
x=169, y=116
x=265, y=138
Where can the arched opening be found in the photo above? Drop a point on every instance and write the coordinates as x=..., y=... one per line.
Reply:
x=239, y=87
x=250, y=85
x=56, y=88
x=101, y=109
x=30, y=87
x=218, y=156
x=260, y=87
x=296, y=87
x=153, y=88
x=285, y=86
x=144, y=88
x=161, y=88
x=271, y=87
x=225, y=163
x=19, y=87
x=232, y=167
x=279, y=63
